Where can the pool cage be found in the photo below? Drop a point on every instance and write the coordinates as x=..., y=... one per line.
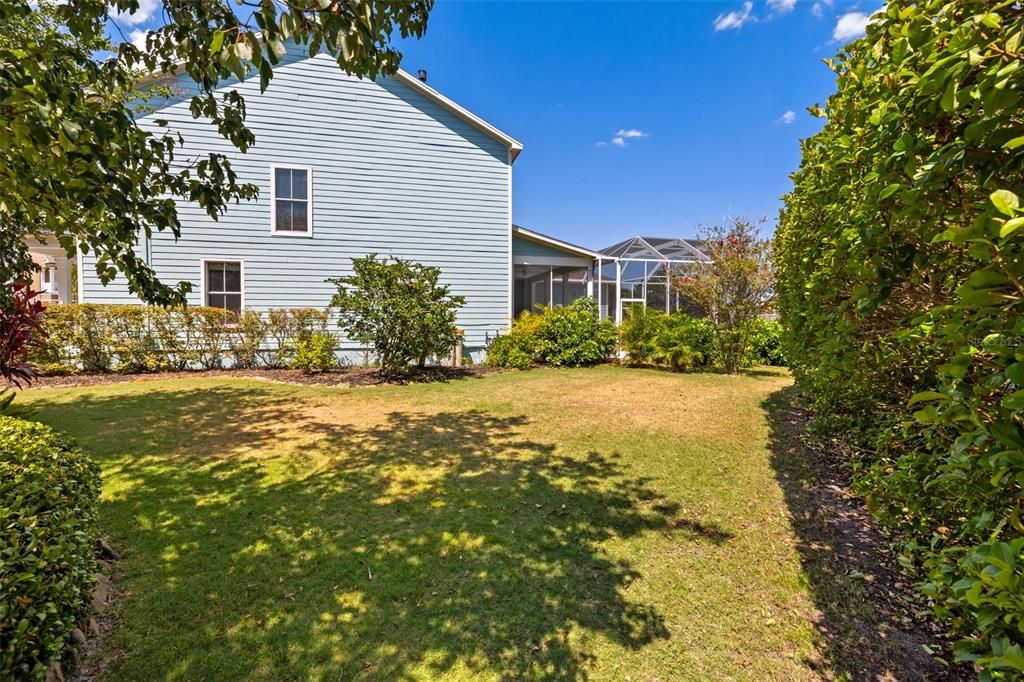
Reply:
x=638, y=270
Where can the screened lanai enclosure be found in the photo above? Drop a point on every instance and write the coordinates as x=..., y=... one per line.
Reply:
x=551, y=272
x=639, y=269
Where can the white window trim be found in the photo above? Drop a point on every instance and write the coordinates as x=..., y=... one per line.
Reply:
x=202, y=277
x=273, y=200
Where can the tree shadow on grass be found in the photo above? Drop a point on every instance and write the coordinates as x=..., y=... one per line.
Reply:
x=868, y=625
x=419, y=545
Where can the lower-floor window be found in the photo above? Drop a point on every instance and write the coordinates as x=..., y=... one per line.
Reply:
x=224, y=285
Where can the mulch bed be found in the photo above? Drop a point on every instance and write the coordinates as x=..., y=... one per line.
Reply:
x=346, y=376
x=840, y=541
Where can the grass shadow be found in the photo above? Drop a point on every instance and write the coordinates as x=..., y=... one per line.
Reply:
x=419, y=545
x=868, y=625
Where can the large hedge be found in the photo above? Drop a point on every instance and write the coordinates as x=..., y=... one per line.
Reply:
x=899, y=267
x=49, y=493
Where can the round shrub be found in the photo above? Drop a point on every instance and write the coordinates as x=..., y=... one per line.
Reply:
x=315, y=353
x=518, y=348
x=511, y=351
x=49, y=493
x=574, y=335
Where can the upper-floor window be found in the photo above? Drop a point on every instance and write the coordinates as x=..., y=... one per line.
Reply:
x=291, y=200
x=222, y=282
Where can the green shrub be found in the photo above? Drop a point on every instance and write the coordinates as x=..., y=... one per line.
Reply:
x=247, y=340
x=315, y=353
x=49, y=493
x=518, y=348
x=765, y=342
x=510, y=351
x=685, y=343
x=677, y=341
x=574, y=335
x=639, y=332
x=398, y=308
x=899, y=259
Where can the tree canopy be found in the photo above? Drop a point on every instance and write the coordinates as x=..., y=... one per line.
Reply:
x=75, y=166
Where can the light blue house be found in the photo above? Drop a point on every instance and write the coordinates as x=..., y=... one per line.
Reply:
x=345, y=167
x=348, y=167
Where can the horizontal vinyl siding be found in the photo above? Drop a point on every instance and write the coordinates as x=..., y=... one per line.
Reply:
x=393, y=173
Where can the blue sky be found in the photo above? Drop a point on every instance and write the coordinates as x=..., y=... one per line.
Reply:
x=637, y=118
x=711, y=105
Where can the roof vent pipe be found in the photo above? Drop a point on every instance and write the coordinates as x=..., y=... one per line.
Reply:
x=422, y=75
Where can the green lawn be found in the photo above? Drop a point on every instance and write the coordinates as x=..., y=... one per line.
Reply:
x=600, y=523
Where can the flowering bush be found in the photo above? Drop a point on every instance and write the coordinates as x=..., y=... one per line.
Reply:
x=732, y=288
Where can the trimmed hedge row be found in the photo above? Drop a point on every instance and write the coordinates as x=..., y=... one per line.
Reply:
x=49, y=494
x=94, y=337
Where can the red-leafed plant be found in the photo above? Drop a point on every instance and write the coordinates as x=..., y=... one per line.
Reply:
x=21, y=329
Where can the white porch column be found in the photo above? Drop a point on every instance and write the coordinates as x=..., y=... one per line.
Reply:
x=618, y=292
x=551, y=286
x=668, y=286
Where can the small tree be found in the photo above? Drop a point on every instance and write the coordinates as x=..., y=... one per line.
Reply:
x=733, y=288
x=397, y=307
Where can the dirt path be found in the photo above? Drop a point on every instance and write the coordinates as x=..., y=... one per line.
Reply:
x=871, y=621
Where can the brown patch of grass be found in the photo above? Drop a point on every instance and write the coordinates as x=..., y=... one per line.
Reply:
x=596, y=523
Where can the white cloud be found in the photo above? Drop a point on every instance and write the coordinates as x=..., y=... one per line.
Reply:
x=138, y=39
x=623, y=135
x=619, y=140
x=787, y=117
x=735, y=19
x=630, y=134
x=781, y=6
x=818, y=8
x=849, y=26
x=147, y=8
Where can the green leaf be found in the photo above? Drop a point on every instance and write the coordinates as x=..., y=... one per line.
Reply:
x=949, y=101
x=889, y=190
x=925, y=396
x=1015, y=373
x=1005, y=201
x=1014, y=401
x=218, y=42
x=1014, y=143
x=1011, y=226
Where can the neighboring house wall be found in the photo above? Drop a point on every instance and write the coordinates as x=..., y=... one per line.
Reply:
x=393, y=172
x=53, y=276
x=525, y=251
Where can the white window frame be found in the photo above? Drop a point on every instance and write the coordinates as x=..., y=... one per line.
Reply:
x=202, y=278
x=273, y=200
